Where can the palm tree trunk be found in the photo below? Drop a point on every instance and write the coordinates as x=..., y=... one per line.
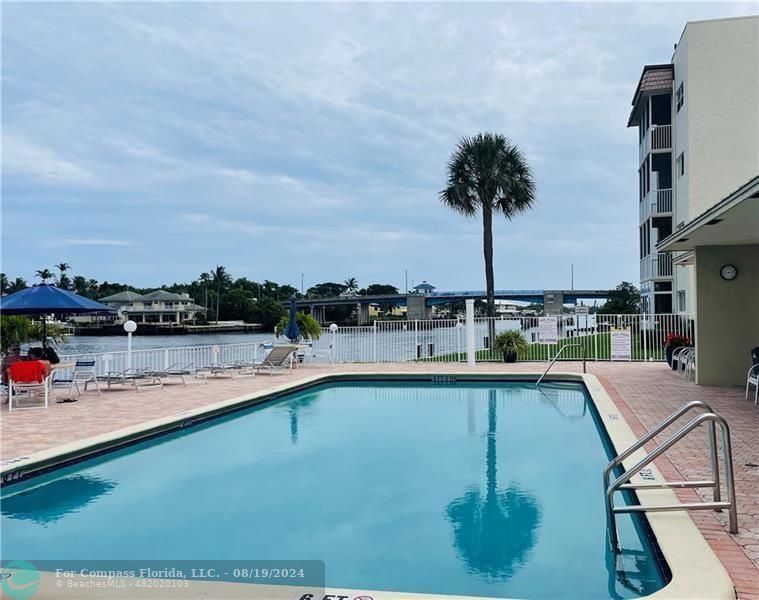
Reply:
x=487, y=243
x=218, y=301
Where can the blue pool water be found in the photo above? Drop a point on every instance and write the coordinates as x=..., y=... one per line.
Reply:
x=482, y=489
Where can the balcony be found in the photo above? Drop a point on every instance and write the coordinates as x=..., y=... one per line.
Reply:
x=657, y=203
x=657, y=138
x=656, y=266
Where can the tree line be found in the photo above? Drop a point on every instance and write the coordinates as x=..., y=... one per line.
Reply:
x=224, y=297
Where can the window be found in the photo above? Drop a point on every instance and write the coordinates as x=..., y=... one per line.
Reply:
x=680, y=97
x=681, y=300
x=681, y=164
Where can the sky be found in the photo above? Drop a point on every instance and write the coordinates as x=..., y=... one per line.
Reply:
x=148, y=142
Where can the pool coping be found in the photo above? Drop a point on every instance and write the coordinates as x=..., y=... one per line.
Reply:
x=695, y=569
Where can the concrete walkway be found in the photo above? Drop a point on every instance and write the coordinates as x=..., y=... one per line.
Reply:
x=644, y=392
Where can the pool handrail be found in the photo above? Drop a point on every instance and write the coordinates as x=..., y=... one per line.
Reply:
x=711, y=435
x=558, y=354
x=622, y=482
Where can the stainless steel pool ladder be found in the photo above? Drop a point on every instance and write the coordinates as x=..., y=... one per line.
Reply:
x=558, y=354
x=623, y=481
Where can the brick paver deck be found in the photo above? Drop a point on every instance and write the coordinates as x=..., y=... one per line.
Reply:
x=645, y=393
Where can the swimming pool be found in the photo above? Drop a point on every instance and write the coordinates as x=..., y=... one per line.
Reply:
x=463, y=488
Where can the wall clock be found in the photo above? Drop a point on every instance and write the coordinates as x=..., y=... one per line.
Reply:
x=728, y=272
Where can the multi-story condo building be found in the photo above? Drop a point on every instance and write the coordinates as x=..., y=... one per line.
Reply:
x=698, y=125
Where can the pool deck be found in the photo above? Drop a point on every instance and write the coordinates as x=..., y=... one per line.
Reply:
x=645, y=393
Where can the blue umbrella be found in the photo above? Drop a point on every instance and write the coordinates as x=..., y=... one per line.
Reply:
x=44, y=299
x=292, y=332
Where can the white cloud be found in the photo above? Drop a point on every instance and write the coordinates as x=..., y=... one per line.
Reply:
x=23, y=157
x=94, y=242
x=257, y=128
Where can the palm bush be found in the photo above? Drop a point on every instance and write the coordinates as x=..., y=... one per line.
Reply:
x=510, y=344
x=22, y=330
x=309, y=327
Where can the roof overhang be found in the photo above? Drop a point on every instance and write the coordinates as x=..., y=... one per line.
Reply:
x=734, y=221
x=655, y=79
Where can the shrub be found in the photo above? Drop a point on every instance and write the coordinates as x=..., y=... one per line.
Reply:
x=508, y=342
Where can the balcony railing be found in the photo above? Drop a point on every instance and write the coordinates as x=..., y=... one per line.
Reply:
x=658, y=137
x=657, y=203
x=661, y=203
x=661, y=137
x=656, y=266
x=663, y=265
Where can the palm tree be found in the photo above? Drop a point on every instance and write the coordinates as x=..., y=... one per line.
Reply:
x=43, y=274
x=63, y=280
x=17, y=285
x=3, y=283
x=488, y=173
x=80, y=285
x=351, y=284
x=205, y=278
x=221, y=279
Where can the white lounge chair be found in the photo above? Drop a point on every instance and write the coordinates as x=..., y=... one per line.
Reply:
x=134, y=377
x=176, y=371
x=280, y=358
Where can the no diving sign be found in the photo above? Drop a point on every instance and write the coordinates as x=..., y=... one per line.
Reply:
x=621, y=344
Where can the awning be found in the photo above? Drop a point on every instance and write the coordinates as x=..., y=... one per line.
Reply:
x=731, y=222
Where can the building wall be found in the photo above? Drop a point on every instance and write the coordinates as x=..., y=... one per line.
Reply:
x=680, y=133
x=717, y=127
x=727, y=321
x=720, y=67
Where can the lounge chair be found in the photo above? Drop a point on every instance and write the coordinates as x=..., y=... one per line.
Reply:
x=134, y=377
x=217, y=369
x=176, y=371
x=279, y=359
x=84, y=373
x=752, y=378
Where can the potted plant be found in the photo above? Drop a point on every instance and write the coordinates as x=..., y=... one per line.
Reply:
x=672, y=342
x=510, y=344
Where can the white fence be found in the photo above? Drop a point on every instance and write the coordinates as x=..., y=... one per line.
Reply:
x=163, y=358
x=429, y=341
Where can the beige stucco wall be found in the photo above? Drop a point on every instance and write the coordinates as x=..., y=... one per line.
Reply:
x=727, y=319
x=718, y=127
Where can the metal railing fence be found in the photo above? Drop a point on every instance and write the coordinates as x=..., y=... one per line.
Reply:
x=432, y=340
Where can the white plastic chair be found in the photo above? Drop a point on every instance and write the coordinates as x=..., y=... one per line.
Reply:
x=752, y=378
x=19, y=391
x=688, y=363
x=83, y=374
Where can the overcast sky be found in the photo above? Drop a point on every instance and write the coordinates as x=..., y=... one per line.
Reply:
x=145, y=143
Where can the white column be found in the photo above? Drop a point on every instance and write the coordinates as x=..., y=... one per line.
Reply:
x=470, y=331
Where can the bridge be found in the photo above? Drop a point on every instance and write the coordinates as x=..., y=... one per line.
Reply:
x=419, y=305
